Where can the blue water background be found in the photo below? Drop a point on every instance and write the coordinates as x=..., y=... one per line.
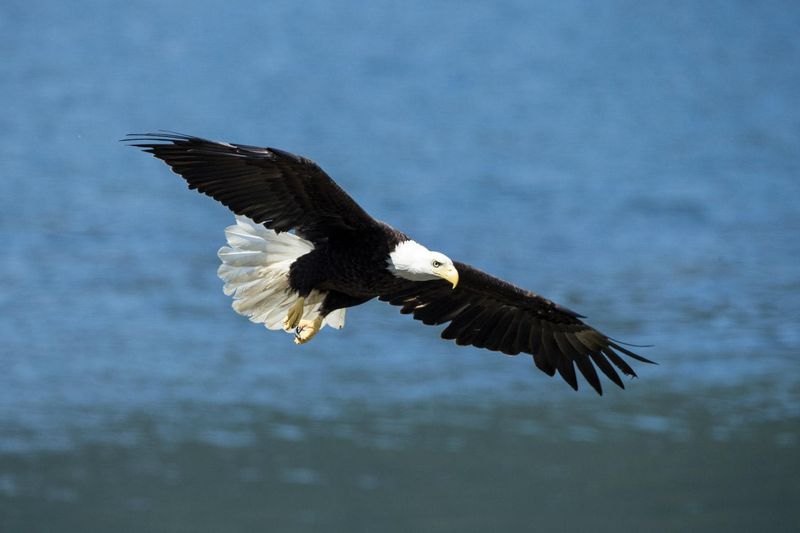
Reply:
x=637, y=162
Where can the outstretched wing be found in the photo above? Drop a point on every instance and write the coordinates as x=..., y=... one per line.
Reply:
x=487, y=312
x=280, y=190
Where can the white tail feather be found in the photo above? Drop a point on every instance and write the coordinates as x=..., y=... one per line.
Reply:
x=255, y=269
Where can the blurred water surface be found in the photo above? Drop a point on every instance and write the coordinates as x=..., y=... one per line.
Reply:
x=636, y=162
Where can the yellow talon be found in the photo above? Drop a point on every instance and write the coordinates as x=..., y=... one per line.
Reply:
x=294, y=315
x=306, y=330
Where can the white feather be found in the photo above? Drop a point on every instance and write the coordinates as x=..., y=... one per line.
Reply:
x=410, y=260
x=255, y=269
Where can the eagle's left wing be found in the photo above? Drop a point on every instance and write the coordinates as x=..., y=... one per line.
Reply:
x=275, y=188
x=487, y=312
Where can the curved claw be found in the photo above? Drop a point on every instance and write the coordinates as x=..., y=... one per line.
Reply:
x=306, y=329
x=294, y=315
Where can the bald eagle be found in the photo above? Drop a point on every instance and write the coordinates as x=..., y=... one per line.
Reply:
x=302, y=251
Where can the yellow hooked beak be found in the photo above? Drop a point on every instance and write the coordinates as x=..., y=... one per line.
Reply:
x=451, y=275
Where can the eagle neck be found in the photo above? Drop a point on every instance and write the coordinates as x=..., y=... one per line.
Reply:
x=406, y=261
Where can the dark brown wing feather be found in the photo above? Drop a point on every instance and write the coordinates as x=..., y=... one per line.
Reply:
x=280, y=190
x=490, y=313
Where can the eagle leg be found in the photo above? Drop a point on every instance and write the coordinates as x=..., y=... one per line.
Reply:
x=306, y=330
x=294, y=315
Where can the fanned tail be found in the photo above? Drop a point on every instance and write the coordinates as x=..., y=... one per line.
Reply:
x=255, y=269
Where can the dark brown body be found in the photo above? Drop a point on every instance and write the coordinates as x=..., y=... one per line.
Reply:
x=350, y=266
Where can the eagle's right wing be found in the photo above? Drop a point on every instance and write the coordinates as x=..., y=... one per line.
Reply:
x=487, y=312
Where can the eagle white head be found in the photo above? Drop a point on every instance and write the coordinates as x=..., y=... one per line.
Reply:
x=412, y=261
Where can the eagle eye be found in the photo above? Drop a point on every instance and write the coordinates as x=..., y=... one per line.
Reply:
x=436, y=264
